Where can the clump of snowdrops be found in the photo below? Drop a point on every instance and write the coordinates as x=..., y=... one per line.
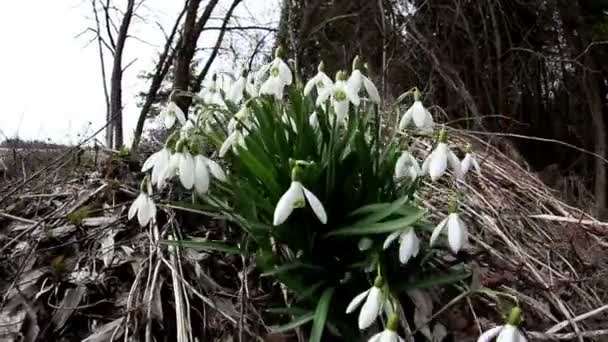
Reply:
x=327, y=199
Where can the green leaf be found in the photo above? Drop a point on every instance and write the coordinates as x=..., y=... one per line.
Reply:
x=380, y=228
x=369, y=208
x=296, y=322
x=383, y=213
x=309, y=291
x=291, y=266
x=203, y=245
x=320, y=316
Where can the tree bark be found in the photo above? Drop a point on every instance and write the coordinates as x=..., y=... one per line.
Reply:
x=109, y=131
x=116, y=78
x=191, y=31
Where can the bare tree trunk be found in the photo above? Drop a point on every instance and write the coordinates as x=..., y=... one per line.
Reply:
x=109, y=131
x=162, y=68
x=191, y=31
x=116, y=77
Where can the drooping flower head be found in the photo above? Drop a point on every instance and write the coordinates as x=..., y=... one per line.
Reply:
x=420, y=116
x=341, y=97
x=170, y=113
x=375, y=300
x=508, y=332
x=143, y=206
x=279, y=76
x=240, y=87
x=440, y=158
x=407, y=166
x=320, y=81
x=296, y=197
x=358, y=81
x=211, y=93
x=159, y=162
x=457, y=231
x=469, y=161
x=409, y=244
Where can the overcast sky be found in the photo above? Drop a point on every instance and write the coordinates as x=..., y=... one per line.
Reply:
x=50, y=81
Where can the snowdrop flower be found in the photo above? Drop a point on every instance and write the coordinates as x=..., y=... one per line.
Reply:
x=358, y=80
x=280, y=76
x=341, y=96
x=374, y=302
x=313, y=120
x=418, y=114
x=241, y=86
x=408, y=166
x=508, y=332
x=409, y=244
x=170, y=113
x=237, y=137
x=187, y=129
x=296, y=197
x=456, y=230
x=211, y=94
x=182, y=164
x=143, y=205
x=204, y=166
x=159, y=163
x=319, y=81
x=389, y=334
x=365, y=244
x=438, y=161
x=242, y=116
x=468, y=161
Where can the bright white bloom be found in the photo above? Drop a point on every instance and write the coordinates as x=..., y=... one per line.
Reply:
x=341, y=97
x=438, y=161
x=280, y=76
x=374, y=301
x=182, y=164
x=203, y=167
x=466, y=163
x=505, y=333
x=456, y=230
x=211, y=94
x=357, y=80
x=170, y=113
x=313, y=120
x=421, y=117
x=159, y=163
x=237, y=137
x=387, y=335
x=296, y=197
x=407, y=166
x=241, y=86
x=409, y=244
x=319, y=81
x=144, y=207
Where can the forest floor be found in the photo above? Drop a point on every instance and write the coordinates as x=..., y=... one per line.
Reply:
x=73, y=268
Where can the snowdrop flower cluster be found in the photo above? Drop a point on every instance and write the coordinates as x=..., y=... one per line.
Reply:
x=508, y=332
x=143, y=206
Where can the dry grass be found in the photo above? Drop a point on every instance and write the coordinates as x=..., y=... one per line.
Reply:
x=73, y=268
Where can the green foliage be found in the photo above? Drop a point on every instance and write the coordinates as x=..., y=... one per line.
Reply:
x=77, y=216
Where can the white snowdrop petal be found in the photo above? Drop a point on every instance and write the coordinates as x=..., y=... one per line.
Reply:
x=456, y=236
x=389, y=239
x=419, y=114
x=454, y=164
x=286, y=203
x=356, y=302
x=341, y=109
x=134, y=207
x=400, y=169
x=227, y=144
x=169, y=119
x=150, y=162
x=521, y=337
x=371, y=90
x=325, y=80
x=465, y=164
x=316, y=205
x=405, y=120
x=143, y=212
x=508, y=333
x=186, y=170
x=371, y=308
x=437, y=231
x=201, y=175
x=323, y=95
x=388, y=336
x=310, y=84
x=216, y=170
x=179, y=114
x=438, y=162
x=407, y=246
x=375, y=338
x=352, y=94
x=490, y=334
x=285, y=72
